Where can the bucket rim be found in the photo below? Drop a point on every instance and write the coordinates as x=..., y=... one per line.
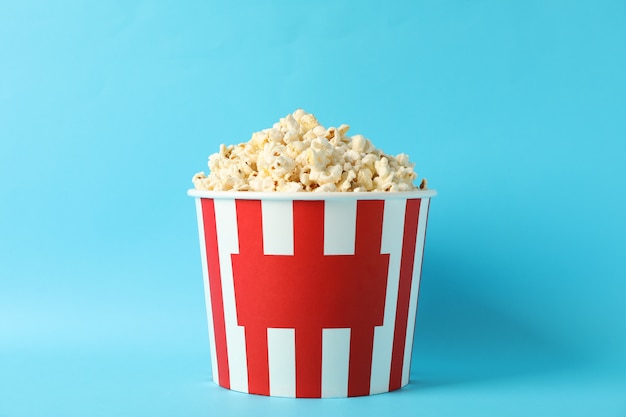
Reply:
x=279, y=195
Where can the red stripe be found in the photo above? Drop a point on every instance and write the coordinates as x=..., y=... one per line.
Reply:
x=215, y=288
x=308, y=363
x=404, y=291
x=249, y=226
x=360, y=368
x=308, y=228
x=258, y=361
x=250, y=234
x=369, y=226
x=308, y=223
x=423, y=247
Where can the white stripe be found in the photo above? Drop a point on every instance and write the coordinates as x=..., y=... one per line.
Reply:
x=393, y=229
x=281, y=351
x=335, y=362
x=339, y=227
x=228, y=243
x=415, y=284
x=277, y=227
x=207, y=292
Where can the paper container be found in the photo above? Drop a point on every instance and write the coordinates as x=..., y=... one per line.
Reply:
x=311, y=294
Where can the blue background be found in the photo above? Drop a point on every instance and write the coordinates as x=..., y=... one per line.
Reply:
x=514, y=111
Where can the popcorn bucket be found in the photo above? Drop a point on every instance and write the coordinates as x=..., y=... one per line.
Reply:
x=311, y=294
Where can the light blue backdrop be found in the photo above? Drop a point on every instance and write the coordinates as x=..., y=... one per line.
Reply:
x=514, y=110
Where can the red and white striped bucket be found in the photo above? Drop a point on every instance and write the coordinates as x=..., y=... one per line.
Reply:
x=311, y=294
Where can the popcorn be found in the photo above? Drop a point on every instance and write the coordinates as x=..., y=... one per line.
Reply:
x=299, y=154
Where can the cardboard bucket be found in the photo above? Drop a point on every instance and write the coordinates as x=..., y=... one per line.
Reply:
x=311, y=294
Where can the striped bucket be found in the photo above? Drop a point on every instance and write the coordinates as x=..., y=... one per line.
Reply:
x=311, y=295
